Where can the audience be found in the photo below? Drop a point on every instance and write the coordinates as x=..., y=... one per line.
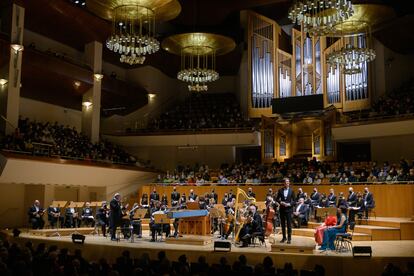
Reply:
x=63, y=142
x=308, y=172
x=202, y=111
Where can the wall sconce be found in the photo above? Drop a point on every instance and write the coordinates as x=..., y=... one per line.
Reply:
x=3, y=82
x=87, y=104
x=16, y=48
x=152, y=96
x=76, y=84
x=98, y=77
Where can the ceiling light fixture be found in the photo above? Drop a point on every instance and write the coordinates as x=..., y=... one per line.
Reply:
x=317, y=17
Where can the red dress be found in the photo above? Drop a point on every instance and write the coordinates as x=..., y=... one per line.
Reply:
x=329, y=221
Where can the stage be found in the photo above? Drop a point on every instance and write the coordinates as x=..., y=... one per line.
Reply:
x=396, y=251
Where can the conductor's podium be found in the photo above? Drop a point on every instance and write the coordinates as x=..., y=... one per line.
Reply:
x=192, y=222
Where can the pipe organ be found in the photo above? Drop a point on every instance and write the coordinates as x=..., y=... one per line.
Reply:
x=285, y=74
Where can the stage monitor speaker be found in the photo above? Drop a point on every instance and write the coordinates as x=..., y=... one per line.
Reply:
x=222, y=246
x=78, y=238
x=297, y=104
x=362, y=251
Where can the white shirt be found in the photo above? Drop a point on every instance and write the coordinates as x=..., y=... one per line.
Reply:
x=285, y=192
x=298, y=208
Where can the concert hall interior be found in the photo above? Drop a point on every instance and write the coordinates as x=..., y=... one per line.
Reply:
x=195, y=137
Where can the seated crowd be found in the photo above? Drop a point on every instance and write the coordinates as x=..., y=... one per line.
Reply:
x=307, y=172
x=64, y=142
x=42, y=260
x=202, y=111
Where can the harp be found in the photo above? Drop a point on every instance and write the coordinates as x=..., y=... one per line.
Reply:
x=241, y=194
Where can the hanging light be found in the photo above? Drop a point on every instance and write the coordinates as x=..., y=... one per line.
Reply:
x=319, y=16
x=133, y=25
x=198, y=53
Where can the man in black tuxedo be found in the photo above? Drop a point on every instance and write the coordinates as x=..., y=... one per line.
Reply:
x=369, y=202
x=175, y=197
x=35, y=214
x=286, y=198
x=154, y=197
x=115, y=215
x=214, y=195
x=352, y=202
x=252, y=226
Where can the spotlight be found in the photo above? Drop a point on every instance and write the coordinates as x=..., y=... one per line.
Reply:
x=78, y=238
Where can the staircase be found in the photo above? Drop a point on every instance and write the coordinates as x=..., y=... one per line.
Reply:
x=375, y=229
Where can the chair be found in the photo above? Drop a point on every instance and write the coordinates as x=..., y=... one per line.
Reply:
x=343, y=241
x=258, y=236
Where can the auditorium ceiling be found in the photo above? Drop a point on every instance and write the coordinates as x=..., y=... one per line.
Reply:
x=75, y=26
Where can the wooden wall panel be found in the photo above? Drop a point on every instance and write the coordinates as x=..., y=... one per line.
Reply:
x=392, y=200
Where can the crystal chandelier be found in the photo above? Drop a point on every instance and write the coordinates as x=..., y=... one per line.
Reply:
x=350, y=58
x=198, y=53
x=317, y=17
x=133, y=33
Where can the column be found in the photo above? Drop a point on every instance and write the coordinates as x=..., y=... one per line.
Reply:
x=10, y=83
x=91, y=100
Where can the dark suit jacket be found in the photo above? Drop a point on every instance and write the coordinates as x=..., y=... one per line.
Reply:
x=369, y=199
x=32, y=210
x=175, y=196
x=352, y=198
x=315, y=196
x=257, y=223
x=116, y=213
x=332, y=198
x=289, y=199
x=51, y=210
x=303, y=210
x=155, y=196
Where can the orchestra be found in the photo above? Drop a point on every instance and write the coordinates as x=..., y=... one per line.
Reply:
x=282, y=209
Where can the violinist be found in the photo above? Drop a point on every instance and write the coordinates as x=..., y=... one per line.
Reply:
x=53, y=216
x=125, y=221
x=135, y=222
x=253, y=225
x=158, y=209
x=102, y=217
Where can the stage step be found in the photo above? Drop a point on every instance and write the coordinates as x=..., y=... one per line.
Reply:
x=61, y=231
x=308, y=232
x=379, y=233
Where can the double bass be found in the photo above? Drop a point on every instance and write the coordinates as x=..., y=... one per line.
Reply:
x=268, y=218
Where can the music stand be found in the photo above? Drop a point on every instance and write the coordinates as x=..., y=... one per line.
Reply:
x=161, y=219
x=95, y=204
x=193, y=205
x=214, y=213
x=140, y=213
x=58, y=204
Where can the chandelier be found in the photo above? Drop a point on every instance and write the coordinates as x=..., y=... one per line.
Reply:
x=350, y=58
x=198, y=53
x=317, y=17
x=133, y=25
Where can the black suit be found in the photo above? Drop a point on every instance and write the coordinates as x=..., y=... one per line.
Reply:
x=352, y=202
x=175, y=198
x=369, y=202
x=35, y=217
x=115, y=217
x=332, y=199
x=52, y=219
x=302, y=217
x=254, y=227
x=154, y=197
x=286, y=211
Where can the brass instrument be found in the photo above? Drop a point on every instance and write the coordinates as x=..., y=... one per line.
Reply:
x=251, y=199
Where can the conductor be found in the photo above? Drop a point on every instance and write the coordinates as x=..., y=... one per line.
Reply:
x=286, y=199
x=115, y=215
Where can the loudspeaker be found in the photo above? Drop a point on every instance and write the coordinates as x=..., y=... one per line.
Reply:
x=362, y=251
x=78, y=238
x=222, y=246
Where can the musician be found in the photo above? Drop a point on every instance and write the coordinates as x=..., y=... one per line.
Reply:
x=229, y=220
x=183, y=202
x=329, y=234
x=53, y=216
x=135, y=222
x=164, y=200
x=125, y=221
x=250, y=193
x=369, y=202
x=252, y=226
x=192, y=196
x=300, y=215
x=214, y=195
x=341, y=200
x=332, y=198
x=286, y=199
x=158, y=209
x=202, y=204
x=231, y=195
x=154, y=196
x=225, y=199
x=175, y=197
x=144, y=201
x=115, y=215
x=352, y=199
x=72, y=219
x=35, y=214
x=102, y=217
x=270, y=193
x=87, y=215
x=300, y=194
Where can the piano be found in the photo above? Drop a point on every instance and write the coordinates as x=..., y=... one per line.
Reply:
x=192, y=222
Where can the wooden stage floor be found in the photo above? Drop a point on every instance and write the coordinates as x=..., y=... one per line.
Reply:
x=399, y=252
